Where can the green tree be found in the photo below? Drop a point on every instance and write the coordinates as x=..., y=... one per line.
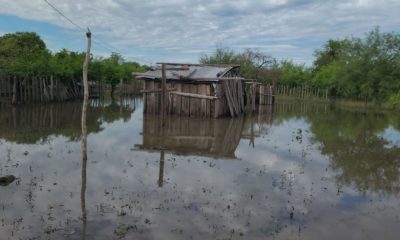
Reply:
x=19, y=52
x=294, y=74
x=361, y=68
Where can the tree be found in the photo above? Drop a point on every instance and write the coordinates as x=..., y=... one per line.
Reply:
x=361, y=68
x=19, y=51
x=331, y=52
x=293, y=74
x=253, y=63
x=23, y=55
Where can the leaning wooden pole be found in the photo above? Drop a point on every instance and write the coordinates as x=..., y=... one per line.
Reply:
x=85, y=85
x=84, y=130
x=164, y=94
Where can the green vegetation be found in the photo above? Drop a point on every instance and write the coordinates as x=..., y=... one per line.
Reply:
x=24, y=54
x=359, y=69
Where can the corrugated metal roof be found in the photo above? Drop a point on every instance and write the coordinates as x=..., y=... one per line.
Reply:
x=184, y=71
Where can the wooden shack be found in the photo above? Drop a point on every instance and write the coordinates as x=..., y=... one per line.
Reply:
x=198, y=90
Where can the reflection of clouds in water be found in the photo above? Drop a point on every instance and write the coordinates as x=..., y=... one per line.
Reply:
x=391, y=135
x=201, y=197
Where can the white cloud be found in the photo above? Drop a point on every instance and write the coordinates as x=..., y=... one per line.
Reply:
x=194, y=26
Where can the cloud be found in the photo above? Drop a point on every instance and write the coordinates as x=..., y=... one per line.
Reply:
x=194, y=26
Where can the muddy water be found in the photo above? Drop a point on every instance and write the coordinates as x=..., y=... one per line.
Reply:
x=301, y=171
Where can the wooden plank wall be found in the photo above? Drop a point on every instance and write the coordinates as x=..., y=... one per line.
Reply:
x=186, y=105
x=234, y=95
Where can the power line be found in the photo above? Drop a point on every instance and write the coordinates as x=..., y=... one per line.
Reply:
x=62, y=14
x=96, y=41
x=100, y=43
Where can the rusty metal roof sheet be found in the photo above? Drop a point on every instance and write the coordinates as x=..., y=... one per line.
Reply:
x=186, y=71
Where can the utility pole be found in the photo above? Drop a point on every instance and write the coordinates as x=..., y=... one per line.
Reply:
x=84, y=131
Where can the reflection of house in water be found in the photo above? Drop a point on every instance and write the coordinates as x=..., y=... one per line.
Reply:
x=258, y=124
x=182, y=135
x=216, y=138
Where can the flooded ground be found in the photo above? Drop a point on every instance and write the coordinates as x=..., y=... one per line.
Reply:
x=299, y=171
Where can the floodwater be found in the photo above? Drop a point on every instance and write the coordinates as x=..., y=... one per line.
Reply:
x=299, y=171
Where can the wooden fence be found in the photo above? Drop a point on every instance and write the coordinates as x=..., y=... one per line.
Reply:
x=301, y=92
x=43, y=89
x=134, y=87
x=266, y=95
x=263, y=94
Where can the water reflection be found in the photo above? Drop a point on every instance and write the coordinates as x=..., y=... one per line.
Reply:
x=217, y=138
x=161, y=172
x=83, y=196
x=185, y=136
x=357, y=151
x=35, y=123
x=353, y=140
x=294, y=172
x=84, y=161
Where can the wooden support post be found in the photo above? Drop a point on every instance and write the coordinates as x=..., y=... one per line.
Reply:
x=85, y=92
x=84, y=130
x=164, y=94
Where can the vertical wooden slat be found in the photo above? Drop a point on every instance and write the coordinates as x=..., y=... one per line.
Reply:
x=179, y=99
x=163, y=94
x=152, y=97
x=208, y=102
x=145, y=101
x=193, y=102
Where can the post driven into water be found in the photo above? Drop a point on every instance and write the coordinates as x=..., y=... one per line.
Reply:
x=84, y=131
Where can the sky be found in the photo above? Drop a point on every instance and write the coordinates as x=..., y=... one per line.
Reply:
x=151, y=31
